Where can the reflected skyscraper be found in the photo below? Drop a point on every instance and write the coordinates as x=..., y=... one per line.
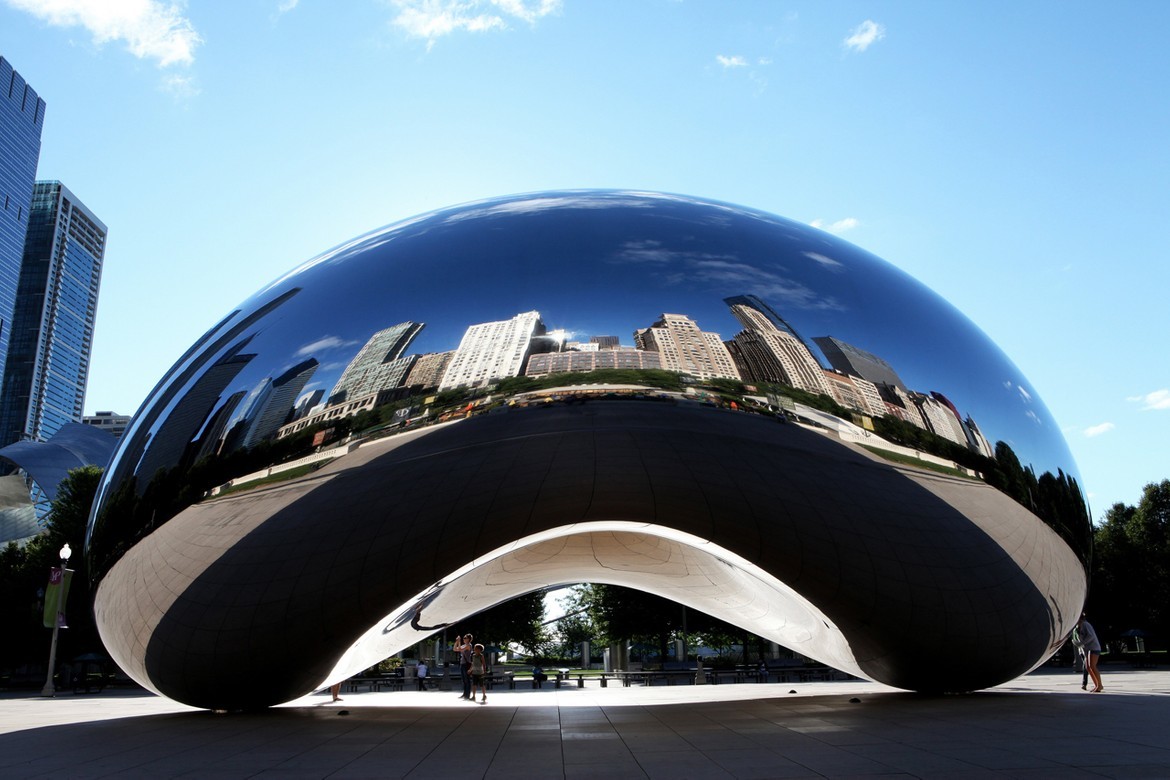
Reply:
x=682, y=347
x=857, y=362
x=193, y=411
x=22, y=116
x=770, y=350
x=274, y=404
x=378, y=365
x=493, y=350
x=52, y=325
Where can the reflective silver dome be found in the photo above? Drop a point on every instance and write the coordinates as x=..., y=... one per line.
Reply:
x=743, y=413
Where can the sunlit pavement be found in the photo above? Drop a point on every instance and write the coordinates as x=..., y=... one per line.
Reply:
x=1042, y=725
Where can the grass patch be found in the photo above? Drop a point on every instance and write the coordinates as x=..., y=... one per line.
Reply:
x=908, y=460
x=283, y=476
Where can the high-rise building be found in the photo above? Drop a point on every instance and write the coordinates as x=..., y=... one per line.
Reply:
x=428, y=370
x=857, y=362
x=22, y=115
x=770, y=350
x=274, y=403
x=491, y=351
x=110, y=422
x=378, y=365
x=682, y=347
x=49, y=344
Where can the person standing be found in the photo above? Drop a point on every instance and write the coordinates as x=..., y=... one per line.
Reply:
x=464, y=648
x=1081, y=659
x=1092, y=647
x=479, y=672
x=421, y=672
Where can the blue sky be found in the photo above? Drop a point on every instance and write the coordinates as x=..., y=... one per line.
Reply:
x=1012, y=156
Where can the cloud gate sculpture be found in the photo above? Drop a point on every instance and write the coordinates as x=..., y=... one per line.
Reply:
x=742, y=413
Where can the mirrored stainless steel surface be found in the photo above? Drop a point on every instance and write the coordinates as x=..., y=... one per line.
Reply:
x=743, y=413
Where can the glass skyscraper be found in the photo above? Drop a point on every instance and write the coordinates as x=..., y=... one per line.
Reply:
x=52, y=324
x=22, y=115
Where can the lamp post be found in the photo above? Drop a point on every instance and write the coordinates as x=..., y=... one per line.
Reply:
x=49, y=690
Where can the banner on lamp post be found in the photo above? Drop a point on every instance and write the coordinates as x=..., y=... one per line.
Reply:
x=55, y=596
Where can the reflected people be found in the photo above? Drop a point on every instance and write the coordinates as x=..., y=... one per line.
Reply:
x=584, y=386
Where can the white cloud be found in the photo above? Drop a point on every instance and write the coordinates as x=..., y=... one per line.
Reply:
x=827, y=262
x=764, y=61
x=284, y=6
x=150, y=29
x=180, y=87
x=840, y=226
x=866, y=34
x=1159, y=399
x=1097, y=430
x=321, y=345
x=432, y=19
x=734, y=61
x=1024, y=394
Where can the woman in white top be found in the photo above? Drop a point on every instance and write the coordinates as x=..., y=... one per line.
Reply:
x=1092, y=647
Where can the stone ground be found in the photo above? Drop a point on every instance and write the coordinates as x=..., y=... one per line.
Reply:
x=1039, y=726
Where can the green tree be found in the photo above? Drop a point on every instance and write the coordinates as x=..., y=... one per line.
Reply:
x=1131, y=566
x=24, y=573
x=517, y=621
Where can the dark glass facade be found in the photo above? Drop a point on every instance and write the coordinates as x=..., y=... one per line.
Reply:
x=22, y=115
x=52, y=325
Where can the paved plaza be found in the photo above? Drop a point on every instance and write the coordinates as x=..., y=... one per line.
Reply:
x=1040, y=726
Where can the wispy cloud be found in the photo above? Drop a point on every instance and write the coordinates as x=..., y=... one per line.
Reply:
x=866, y=34
x=284, y=6
x=150, y=29
x=181, y=87
x=1159, y=399
x=732, y=61
x=323, y=344
x=725, y=274
x=840, y=226
x=432, y=19
x=1097, y=430
x=824, y=260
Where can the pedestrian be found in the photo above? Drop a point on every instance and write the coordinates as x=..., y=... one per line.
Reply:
x=464, y=648
x=1092, y=646
x=421, y=672
x=1080, y=659
x=479, y=673
x=335, y=691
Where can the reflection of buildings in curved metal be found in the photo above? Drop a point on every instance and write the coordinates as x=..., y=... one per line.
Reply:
x=918, y=580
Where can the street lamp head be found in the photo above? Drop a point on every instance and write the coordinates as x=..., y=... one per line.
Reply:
x=65, y=553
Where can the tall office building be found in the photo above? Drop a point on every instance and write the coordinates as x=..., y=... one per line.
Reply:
x=22, y=115
x=770, y=350
x=378, y=365
x=47, y=366
x=491, y=351
x=682, y=347
x=111, y=422
x=857, y=362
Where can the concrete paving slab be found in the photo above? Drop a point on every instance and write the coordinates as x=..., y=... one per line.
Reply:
x=1039, y=726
